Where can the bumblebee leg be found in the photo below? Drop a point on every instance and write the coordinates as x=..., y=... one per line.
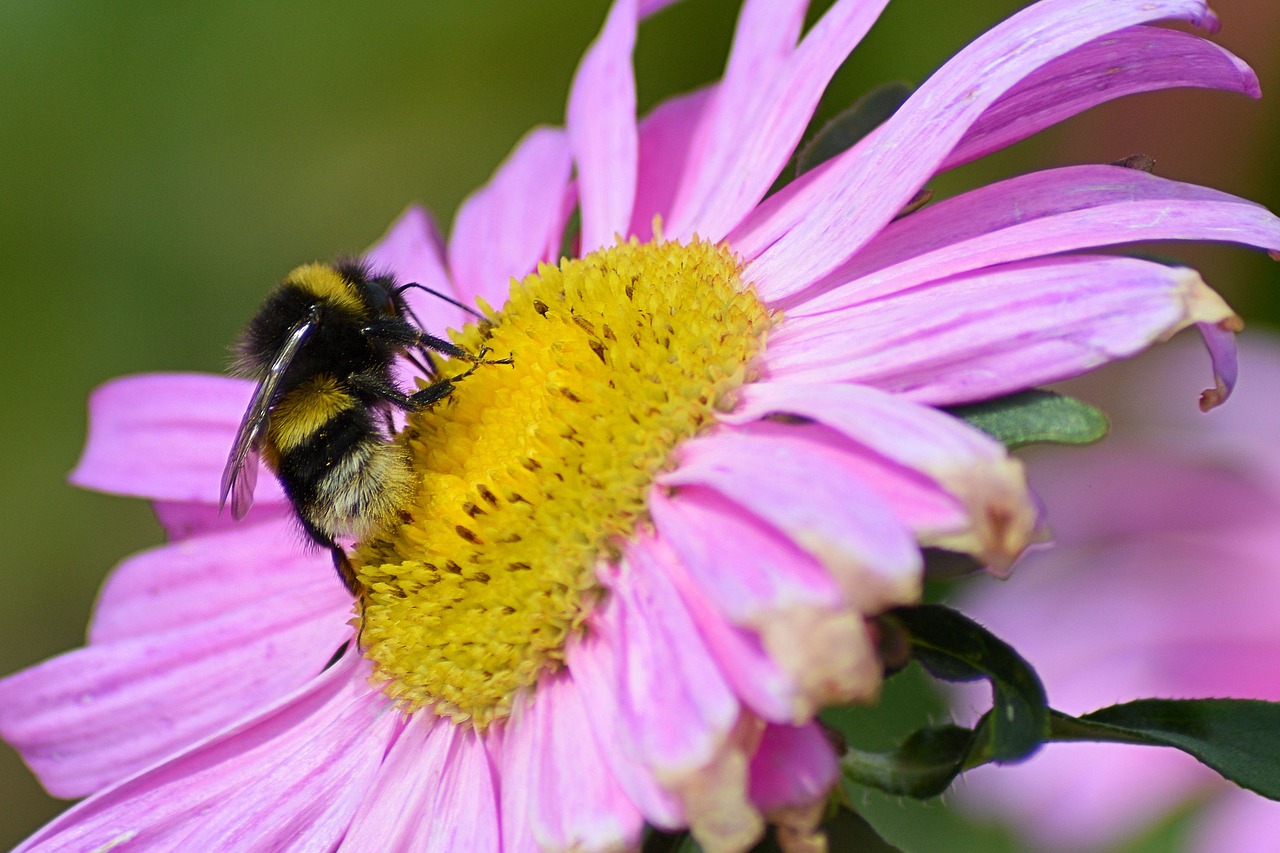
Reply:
x=346, y=571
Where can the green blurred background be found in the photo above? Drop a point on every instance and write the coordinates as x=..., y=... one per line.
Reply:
x=163, y=164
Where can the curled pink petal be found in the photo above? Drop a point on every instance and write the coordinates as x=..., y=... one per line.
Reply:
x=1012, y=327
x=1058, y=210
x=601, y=120
x=754, y=675
x=1138, y=59
x=823, y=504
x=1220, y=341
x=758, y=578
x=973, y=467
x=654, y=641
x=795, y=766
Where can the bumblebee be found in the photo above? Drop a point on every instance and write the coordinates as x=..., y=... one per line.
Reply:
x=321, y=347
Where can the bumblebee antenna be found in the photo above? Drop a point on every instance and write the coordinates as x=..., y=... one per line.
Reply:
x=438, y=295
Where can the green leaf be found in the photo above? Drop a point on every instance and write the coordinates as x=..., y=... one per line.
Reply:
x=1239, y=738
x=955, y=648
x=1031, y=417
x=922, y=767
x=850, y=126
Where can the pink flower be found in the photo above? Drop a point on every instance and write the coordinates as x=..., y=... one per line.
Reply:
x=703, y=567
x=1164, y=583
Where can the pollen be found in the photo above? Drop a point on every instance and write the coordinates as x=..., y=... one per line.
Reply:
x=534, y=474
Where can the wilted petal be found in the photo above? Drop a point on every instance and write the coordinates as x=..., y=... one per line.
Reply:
x=655, y=650
x=758, y=578
x=795, y=766
x=434, y=793
x=967, y=463
x=503, y=229
x=1012, y=327
x=823, y=504
x=602, y=129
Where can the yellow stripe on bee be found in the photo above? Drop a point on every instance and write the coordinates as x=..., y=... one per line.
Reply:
x=326, y=284
x=305, y=410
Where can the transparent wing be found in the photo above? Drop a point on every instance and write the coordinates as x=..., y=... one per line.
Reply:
x=241, y=473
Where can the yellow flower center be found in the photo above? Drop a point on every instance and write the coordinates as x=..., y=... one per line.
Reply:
x=534, y=473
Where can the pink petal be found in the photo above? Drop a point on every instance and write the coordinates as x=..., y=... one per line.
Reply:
x=757, y=578
x=665, y=138
x=762, y=107
x=434, y=793
x=205, y=577
x=967, y=463
x=291, y=778
x=91, y=717
x=645, y=8
x=166, y=436
x=754, y=675
x=601, y=120
x=653, y=650
x=1220, y=341
x=818, y=498
x=413, y=251
x=1005, y=329
x=503, y=229
x=595, y=669
x=808, y=229
x=556, y=781
x=764, y=39
x=184, y=519
x=1058, y=210
x=746, y=565
x=794, y=766
x=1138, y=59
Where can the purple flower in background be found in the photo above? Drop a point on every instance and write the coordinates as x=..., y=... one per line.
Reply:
x=642, y=557
x=1164, y=582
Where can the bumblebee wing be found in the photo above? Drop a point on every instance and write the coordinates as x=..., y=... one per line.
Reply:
x=241, y=472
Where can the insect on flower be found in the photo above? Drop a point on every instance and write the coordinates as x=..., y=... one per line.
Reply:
x=321, y=347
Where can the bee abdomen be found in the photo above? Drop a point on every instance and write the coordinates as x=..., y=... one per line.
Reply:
x=346, y=479
x=365, y=491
